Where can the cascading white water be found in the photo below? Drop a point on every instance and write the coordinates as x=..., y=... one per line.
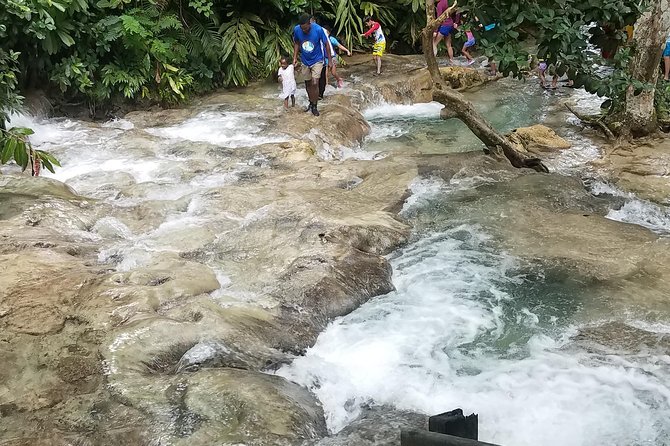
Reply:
x=126, y=166
x=455, y=334
x=635, y=210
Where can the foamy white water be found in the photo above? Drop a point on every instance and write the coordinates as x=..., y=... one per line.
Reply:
x=228, y=129
x=124, y=166
x=635, y=210
x=453, y=335
x=423, y=110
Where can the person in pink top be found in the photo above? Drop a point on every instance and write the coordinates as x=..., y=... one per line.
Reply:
x=470, y=37
x=445, y=30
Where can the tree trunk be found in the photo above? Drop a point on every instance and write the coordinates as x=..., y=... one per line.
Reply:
x=638, y=115
x=459, y=107
x=427, y=45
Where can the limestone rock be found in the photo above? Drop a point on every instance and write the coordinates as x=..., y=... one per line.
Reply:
x=251, y=408
x=618, y=337
x=376, y=426
x=463, y=78
x=537, y=139
x=297, y=150
x=35, y=187
x=643, y=169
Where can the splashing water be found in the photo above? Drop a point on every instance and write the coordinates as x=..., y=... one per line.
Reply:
x=635, y=210
x=227, y=129
x=458, y=333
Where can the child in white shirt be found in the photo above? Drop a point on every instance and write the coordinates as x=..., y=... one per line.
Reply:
x=287, y=78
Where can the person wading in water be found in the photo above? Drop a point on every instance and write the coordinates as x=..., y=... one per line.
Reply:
x=310, y=40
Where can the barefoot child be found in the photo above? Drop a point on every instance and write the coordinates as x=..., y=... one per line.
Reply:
x=470, y=38
x=380, y=42
x=287, y=78
x=337, y=46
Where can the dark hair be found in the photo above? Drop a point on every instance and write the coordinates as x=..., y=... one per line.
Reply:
x=283, y=58
x=304, y=19
x=327, y=28
x=367, y=18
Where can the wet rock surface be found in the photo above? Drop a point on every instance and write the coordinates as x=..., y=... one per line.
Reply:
x=149, y=307
x=537, y=139
x=643, y=169
x=618, y=337
x=378, y=426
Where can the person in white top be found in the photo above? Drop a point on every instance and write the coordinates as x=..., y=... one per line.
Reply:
x=378, y=48
x=286, y=76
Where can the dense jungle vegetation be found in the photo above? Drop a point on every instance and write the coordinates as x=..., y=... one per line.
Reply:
x=163, y=50
x=97, y=51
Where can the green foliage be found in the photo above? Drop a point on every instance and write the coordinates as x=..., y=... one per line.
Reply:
x=164, y=50
x=15, y=146
x=569, y=34
x=10, y=100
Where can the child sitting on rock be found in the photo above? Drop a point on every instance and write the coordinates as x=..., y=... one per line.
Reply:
x=286, y=75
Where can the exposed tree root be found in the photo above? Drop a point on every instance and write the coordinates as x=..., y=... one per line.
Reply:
x=595, y=121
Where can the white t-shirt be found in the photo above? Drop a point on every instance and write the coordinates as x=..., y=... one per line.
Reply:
x=288, y=81
x=333, y=54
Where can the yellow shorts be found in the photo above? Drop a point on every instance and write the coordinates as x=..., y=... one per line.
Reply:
x=378, y=48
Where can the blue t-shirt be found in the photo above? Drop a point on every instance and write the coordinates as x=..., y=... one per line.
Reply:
x=311, y=44
x=335, y=43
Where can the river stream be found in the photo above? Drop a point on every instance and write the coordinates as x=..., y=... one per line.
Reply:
x=470, y=325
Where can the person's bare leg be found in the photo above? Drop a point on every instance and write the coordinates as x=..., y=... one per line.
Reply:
x=554, y=81
x=379, y=64
x=466, y=53
x=436, y=41
x=450, y=49
x=313, y=94
x=666, y=61
x=338, y=79
x=286, y=103
x=308, y=89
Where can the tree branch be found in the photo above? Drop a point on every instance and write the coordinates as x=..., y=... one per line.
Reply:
x=592, y=120
x=433, y=24
x=463, y=109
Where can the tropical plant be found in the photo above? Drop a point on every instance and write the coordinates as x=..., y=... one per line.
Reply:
x=164, y=50
x=15, y=146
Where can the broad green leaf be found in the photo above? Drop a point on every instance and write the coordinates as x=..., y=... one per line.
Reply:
x=20, y=155
x=65, y=38
x=8, y=150
x=46, y=163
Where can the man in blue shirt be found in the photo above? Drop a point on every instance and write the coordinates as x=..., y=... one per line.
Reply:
x=310, y=40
